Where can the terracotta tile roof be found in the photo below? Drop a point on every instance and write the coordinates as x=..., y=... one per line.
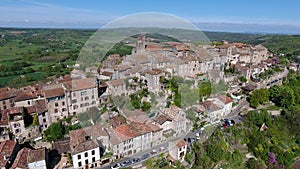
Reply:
x=36, y=155
x=139, y=128
x=6, y=150
x=117, y=82
x=210, y=106
x=80, y=84
x=106, y=73
x=62, y=146
x=7, y=93
x=181, y=143
x=21, y=159
x=182, y=47
x=24, y=96
x=152, y=126
x=85, y=138
x=84, y=146
x=15, y=110
x=40, y=105
x=136, y=115
x=125, y=132
x=225, y=99
x=162, y=118
x=30, y=109
x=117, y=120
x=54, y=92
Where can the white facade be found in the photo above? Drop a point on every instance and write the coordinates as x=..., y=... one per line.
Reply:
x=38, y=165
x=82, y=100
x=80, y=160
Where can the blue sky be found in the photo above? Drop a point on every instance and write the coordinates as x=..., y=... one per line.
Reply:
x=94, y=13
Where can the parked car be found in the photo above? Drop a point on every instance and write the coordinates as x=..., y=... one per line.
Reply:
x=161, y=149
x=153, y=152
x=145, y=156
x=189, y=140
x=116, y=166
x=197, y=136
x=136, y=160
x=232, y=122
x=126, y=163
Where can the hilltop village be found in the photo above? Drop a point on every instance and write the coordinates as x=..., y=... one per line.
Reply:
x=137, y=105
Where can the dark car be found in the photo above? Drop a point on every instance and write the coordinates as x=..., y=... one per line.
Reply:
x=232, y=122
x=135, y=160
x=189, y=140
x=145, y=156
x=227, y=123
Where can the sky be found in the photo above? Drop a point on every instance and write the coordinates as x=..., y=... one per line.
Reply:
x=270, y=16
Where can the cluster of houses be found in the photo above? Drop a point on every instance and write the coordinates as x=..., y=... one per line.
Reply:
x=127, y=132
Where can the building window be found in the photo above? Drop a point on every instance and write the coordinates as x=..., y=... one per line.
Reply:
x=55, y=110
x=83, y=93
x=79, y=164
x=93, y=159
x=44, y=120
x=93, y=96
x=56, y=104
x=74, y=94
x=79, y=157
x=75, y=107
x=93, y=152
x=86, y=98
x=85, y=154
x=28, y=102
x=63, y=103
x=74, y=101
x=63, y=109
x=86, y=162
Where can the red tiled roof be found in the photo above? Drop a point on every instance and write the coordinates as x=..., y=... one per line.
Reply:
x=225, y=99
x=80, y=84
x=15, y=110
x=162, y=118
x=54, y=92
x=106, y=73
x=7, y=93
x=181, y=143
x=125, y=130
x=210, y=106
x=117, y=82
x=21, y=159
x=6, y=149
x=24, y=96
x=30, y=109
x=84, y=139
x=153, y=127
x=41, y=106
x=36, y=155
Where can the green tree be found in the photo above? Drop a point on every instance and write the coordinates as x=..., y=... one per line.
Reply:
x=252, y=163
x=146, y=106
x=243, y=79
x=258, y=97
x=35, y=120
x=54, y=132
x=205, y=89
